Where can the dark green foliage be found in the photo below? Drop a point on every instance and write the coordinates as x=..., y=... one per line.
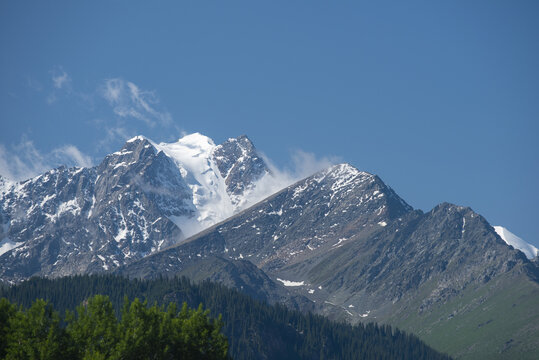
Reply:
x=94, y=329
x=95, y=333
x=255, y=330
x=152, y=333
x=7, y=312
x=34, y=334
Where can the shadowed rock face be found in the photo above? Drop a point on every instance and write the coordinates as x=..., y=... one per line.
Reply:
x=81, y=220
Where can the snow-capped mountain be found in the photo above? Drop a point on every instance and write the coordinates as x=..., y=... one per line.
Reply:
x=511, y=239
x=139, y=200
x=340, y=242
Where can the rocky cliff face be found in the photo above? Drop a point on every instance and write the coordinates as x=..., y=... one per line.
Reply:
x=240, y=166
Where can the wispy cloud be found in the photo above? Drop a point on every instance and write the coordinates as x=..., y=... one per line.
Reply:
x=122, y=107
x=51, y=98
x=70, y=154
x=61, y=82
x=115, y=135
x=60, y=79
x=23, y=160
x=305, y=164
x=128, y=101
x=33, y=84
x=302, y=164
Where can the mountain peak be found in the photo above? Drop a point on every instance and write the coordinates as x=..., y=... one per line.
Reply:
x=448, y=207
x=197, y=140
x=135, y=144
x=136, y=138
x=345, y=169
x=242, y=139
x=240, y=165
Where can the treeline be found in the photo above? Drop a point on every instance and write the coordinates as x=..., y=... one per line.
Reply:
x=254, y=330
x=94, y=332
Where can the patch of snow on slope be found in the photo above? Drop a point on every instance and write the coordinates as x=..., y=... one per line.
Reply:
x=7, y=245
x=71, y=206
x=291, y=283
x=511, y=239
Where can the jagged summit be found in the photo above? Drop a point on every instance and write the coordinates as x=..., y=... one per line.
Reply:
x=240, y=165
x=136, y=138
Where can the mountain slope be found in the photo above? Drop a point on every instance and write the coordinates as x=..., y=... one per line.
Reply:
x=313, y=216
x=346, y=241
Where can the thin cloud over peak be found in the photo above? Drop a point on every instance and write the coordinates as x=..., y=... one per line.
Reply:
x=302, y=164
x=23, y=161
x=129, y=101
x=72, y=155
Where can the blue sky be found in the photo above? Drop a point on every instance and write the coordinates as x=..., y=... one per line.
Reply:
x=439, y=98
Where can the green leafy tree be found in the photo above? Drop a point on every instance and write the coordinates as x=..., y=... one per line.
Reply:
x=36, y=334
x=152, y=333
x=94, y=333
x=94, y=330
x=195, y=336
x=142, y=334
x=7, y=312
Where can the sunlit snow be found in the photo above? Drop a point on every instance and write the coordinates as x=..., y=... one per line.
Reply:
x=291, y=283
x=7, y=245
x=193, y=155
x=511, y=239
